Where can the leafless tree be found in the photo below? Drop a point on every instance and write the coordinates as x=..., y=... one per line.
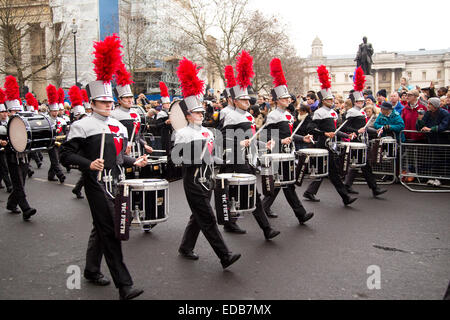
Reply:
x=220, y=30
x=22, y=36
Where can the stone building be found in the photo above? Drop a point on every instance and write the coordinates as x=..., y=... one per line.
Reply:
x=418, y=67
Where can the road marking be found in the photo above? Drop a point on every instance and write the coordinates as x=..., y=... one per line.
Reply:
x=64, y=184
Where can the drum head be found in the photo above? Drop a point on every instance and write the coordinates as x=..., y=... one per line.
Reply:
x=177, y=116
x=355, y=145
x=311, y=151
x=17, y=134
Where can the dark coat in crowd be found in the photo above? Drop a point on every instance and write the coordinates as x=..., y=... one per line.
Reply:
x=438, y=122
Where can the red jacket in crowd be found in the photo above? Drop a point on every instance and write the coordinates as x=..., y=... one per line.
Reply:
x=409, y=116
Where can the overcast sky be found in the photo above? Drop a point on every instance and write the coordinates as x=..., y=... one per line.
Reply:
x=391, y=25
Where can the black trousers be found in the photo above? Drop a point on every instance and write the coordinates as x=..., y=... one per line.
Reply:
x=35, y=156
x=18, y=169
x=258, y=214
x=55, y=168
x=102, y=239
x=4, y=174
x=292, y=198
x=333, y=175
x=367, y=173
x=202, y=217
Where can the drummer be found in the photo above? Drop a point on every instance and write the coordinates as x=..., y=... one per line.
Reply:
x=191, y=140
x=356, y=123
x=282, y=121
x=53, y=152
x=88, y=138
x=17, y=162
x=323, y=127
x=130, y=119
x=239, y=127
x=4, y=175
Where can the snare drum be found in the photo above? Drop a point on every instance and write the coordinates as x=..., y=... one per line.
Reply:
x=281, y=166
x=389, y=148
x=316, y=162
x=357, y=153
x=149, y=200
x=28, y=132
x=241, y=191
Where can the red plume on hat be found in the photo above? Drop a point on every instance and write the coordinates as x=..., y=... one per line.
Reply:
x=276, y=71
x=84, y=95
x=61, y=95
x=123, y=76
x=31, y=100
x=107, y=57
x=244, y=67
x=360, y=79
x=187, y=72
x=229, y=76
x=2, y=96
x=324, y=77
x=52, y=94
x=11, y=89
x=163, y=89
x=75, y=96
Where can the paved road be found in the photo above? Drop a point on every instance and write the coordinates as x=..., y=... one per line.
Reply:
x=405, y=234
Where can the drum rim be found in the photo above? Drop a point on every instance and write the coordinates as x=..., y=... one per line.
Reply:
x=27, y=128
x=249, y=178
x=314, y=151
x=138, y=183
x=285, y=156
x=353, y=144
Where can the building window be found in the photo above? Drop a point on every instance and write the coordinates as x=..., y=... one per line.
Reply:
x=384, y=76
x=333, y=77
x=346, y=77
x=424, y=75
x=439, y=74
x=409, y=75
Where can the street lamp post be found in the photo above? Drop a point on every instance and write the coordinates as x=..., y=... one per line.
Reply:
x=74, y=31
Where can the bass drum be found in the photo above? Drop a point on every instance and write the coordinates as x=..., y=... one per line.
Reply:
x=177, y=116
x=28, y=132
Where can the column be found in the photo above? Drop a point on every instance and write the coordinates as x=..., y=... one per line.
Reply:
x=376, y=83
x=393, y=80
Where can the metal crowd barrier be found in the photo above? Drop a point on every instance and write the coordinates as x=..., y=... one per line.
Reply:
x=422, y=162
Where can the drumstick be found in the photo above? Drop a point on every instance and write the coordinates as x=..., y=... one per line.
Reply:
x=132, y=134
x=296, y=129
x=102, y=149
x=257, y=132
x=342, y=125
x=140, y=160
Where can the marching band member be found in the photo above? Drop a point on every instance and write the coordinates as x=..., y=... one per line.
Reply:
x=4, y=175
x=191, y=140
x=86, y=139
x=53, y=152
x=18, y=165
x=61, y=112
x=86, y=103
x=323, y=126
x=231, y=82
x=130, y=119
x=32, y=105
x=356, y=122
x=78, y=113
x=282, y=121
x=241, y=121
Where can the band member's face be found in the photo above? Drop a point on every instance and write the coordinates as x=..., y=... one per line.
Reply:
x=88, y=110
x=195, y=118
x=126, y=102
x=103, y=108
x=328, y=102
x=54, y=113
x=284, y=102
x=230, y=102
x=3, y=115
x=242, y=104
x=359, y=104
x=166, y=105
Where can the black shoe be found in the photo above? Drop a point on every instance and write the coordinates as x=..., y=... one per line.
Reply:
x=188, y=255
x=128, y=292
x=30, y=173
x=39, y=165
x=78, y=194
x=232, y=227
x=100, y=280
x=376, y=192
x=9, y=189
x=351, y=190
x=52, y=179
x=271, y=214
x=306, y=217
x=310, y=197
x=229, y=260
x=14, y=210
x=28, y=213
x=62, y=179
x=270, y=233
x=349, y=201
x=2, y=186
x=68, y=170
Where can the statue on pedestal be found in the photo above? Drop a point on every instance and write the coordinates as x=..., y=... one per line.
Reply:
x=364, y=57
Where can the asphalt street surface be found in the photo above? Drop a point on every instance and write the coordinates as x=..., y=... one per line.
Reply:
x=405, y=234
